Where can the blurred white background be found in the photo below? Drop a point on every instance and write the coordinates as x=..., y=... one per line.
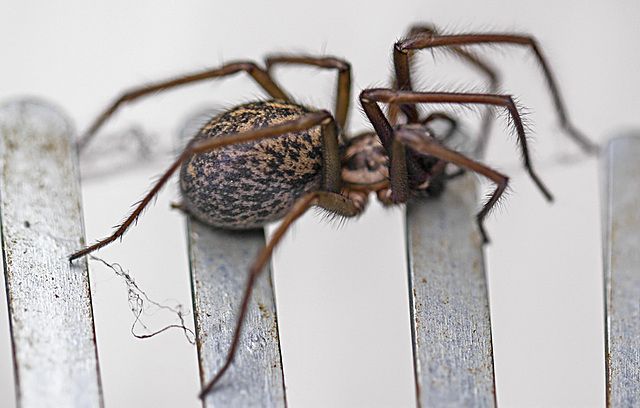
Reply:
x=342, y=294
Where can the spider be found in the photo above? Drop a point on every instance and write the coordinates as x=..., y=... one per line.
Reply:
x=273, y=159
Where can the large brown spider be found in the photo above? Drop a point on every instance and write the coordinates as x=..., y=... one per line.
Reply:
x=269, y=160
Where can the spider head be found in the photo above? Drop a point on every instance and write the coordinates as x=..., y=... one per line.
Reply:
x=365, y=164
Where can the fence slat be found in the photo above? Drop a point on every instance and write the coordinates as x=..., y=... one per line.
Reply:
x=51, y=319
x=450, y=309
x=220, y=263
x=621, y=229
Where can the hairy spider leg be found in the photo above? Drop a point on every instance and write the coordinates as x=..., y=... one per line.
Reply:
x=426, y=40
x=418, y=141
x=398, y=160
x=261, y=76
x=343, y=94
x=476, y=62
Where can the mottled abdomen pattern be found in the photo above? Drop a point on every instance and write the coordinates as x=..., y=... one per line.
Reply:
x=251, y=184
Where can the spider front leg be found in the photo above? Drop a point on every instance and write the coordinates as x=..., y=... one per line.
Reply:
x=423, y=40
x=403, y=68
x=402, y=165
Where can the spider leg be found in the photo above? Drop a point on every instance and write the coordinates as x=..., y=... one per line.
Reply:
x=331, y=201
x=404, y=62
x=484, y=67
x=331, y=158
x=343, y=95
x=421, y=143
x=487, y=70
x=399, y=166
x=425, y=40
x=261, y=76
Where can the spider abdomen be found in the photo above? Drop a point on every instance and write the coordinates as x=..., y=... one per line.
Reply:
x=251, y=184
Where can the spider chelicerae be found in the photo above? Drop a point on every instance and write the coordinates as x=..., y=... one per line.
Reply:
x=273, y=159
